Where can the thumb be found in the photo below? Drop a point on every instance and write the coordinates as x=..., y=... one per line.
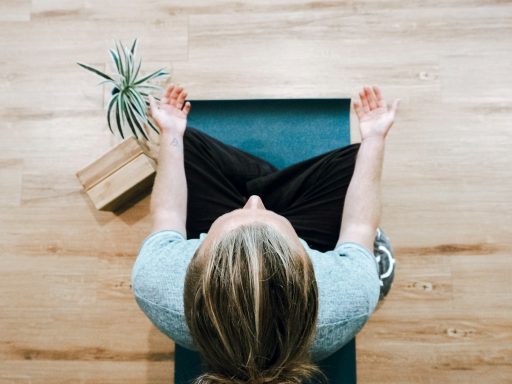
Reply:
x=152, y=105
x=395, y=105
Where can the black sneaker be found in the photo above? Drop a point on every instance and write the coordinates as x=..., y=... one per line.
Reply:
x=384, y=256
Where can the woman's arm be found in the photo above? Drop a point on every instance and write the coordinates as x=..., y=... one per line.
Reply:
x=362, y=208
x=169, y=196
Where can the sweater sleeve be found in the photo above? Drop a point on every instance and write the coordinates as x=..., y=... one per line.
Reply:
x=349, y=288
x=158, y=277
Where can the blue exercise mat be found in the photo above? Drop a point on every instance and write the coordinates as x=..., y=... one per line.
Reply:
x=283, y=132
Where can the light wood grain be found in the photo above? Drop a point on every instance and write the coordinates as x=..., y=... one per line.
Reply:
x=67, y=311
x=126, y=182
x=11, y=173
x=109, y=162
x=15, y=10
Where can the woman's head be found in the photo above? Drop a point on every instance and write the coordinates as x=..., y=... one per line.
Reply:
x=251, y=302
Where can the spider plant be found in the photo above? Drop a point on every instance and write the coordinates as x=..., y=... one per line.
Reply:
x=129, y=98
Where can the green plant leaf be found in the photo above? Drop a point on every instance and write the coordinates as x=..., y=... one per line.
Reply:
x=129, y=118
x=124, y=106
x=134, y=45
x=141, y=108
x=134, y=99
x=95, y=71
x=130, y=67
x=137, y=71
x=139, y=105
x=146, y=94
x=133, y=68
x=143, y=103
x=109, y=109
x=121, y=66
x=150, y=86
x=118, y=80
x=128, y=62
x=132, y=57
x=115, y=59
x=154, y=75
x=153, y=126
x=137, y=101
x=136, y=120
x=118, y=115
x=106, y=81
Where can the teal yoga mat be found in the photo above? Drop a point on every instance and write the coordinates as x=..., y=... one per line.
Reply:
x=283, y=132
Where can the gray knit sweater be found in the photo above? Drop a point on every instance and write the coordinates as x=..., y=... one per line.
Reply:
x=347, y=279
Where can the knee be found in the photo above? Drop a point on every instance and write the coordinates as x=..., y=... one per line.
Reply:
x=191, y=131
x=192, y=135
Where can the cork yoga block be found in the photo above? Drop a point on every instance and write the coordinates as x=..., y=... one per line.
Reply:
x=119, y=175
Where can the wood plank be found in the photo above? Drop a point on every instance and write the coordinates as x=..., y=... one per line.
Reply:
x=15, y=10
x=93, y=372
x=11, y=173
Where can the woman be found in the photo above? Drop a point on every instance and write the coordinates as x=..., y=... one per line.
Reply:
x=281, y=267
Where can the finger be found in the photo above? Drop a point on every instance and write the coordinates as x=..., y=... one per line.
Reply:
x=175, y=93
x=364, y=102
x=371, y=97
x=181, y=99
x=169, y=90
x=381, y=103
x=187, y=107
x=358, y=110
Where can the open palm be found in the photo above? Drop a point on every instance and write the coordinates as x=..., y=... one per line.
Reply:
x=171, y=114
x=375, y=116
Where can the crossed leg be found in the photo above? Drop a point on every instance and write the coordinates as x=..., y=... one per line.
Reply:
x=310, y=194
x=216, y=174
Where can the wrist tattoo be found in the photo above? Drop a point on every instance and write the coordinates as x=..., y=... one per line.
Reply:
x=175, y=142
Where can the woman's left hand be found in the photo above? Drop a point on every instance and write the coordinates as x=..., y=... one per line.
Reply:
x=172, y=111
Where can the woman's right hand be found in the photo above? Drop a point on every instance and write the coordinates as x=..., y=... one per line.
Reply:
x=375, y=116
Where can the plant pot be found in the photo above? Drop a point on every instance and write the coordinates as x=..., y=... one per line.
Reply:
x=118, y=176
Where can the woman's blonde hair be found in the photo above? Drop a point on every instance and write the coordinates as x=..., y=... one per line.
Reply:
x=251, y=304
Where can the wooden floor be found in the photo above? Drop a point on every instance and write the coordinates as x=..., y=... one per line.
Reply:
x=67, y=312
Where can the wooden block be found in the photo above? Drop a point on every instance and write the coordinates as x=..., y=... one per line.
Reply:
x=120, y=174
x=110, y=162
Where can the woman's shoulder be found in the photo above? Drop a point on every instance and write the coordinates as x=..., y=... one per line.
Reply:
x=159, y=271
x=348, y=291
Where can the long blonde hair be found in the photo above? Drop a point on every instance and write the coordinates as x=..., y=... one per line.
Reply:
x=251, y=304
